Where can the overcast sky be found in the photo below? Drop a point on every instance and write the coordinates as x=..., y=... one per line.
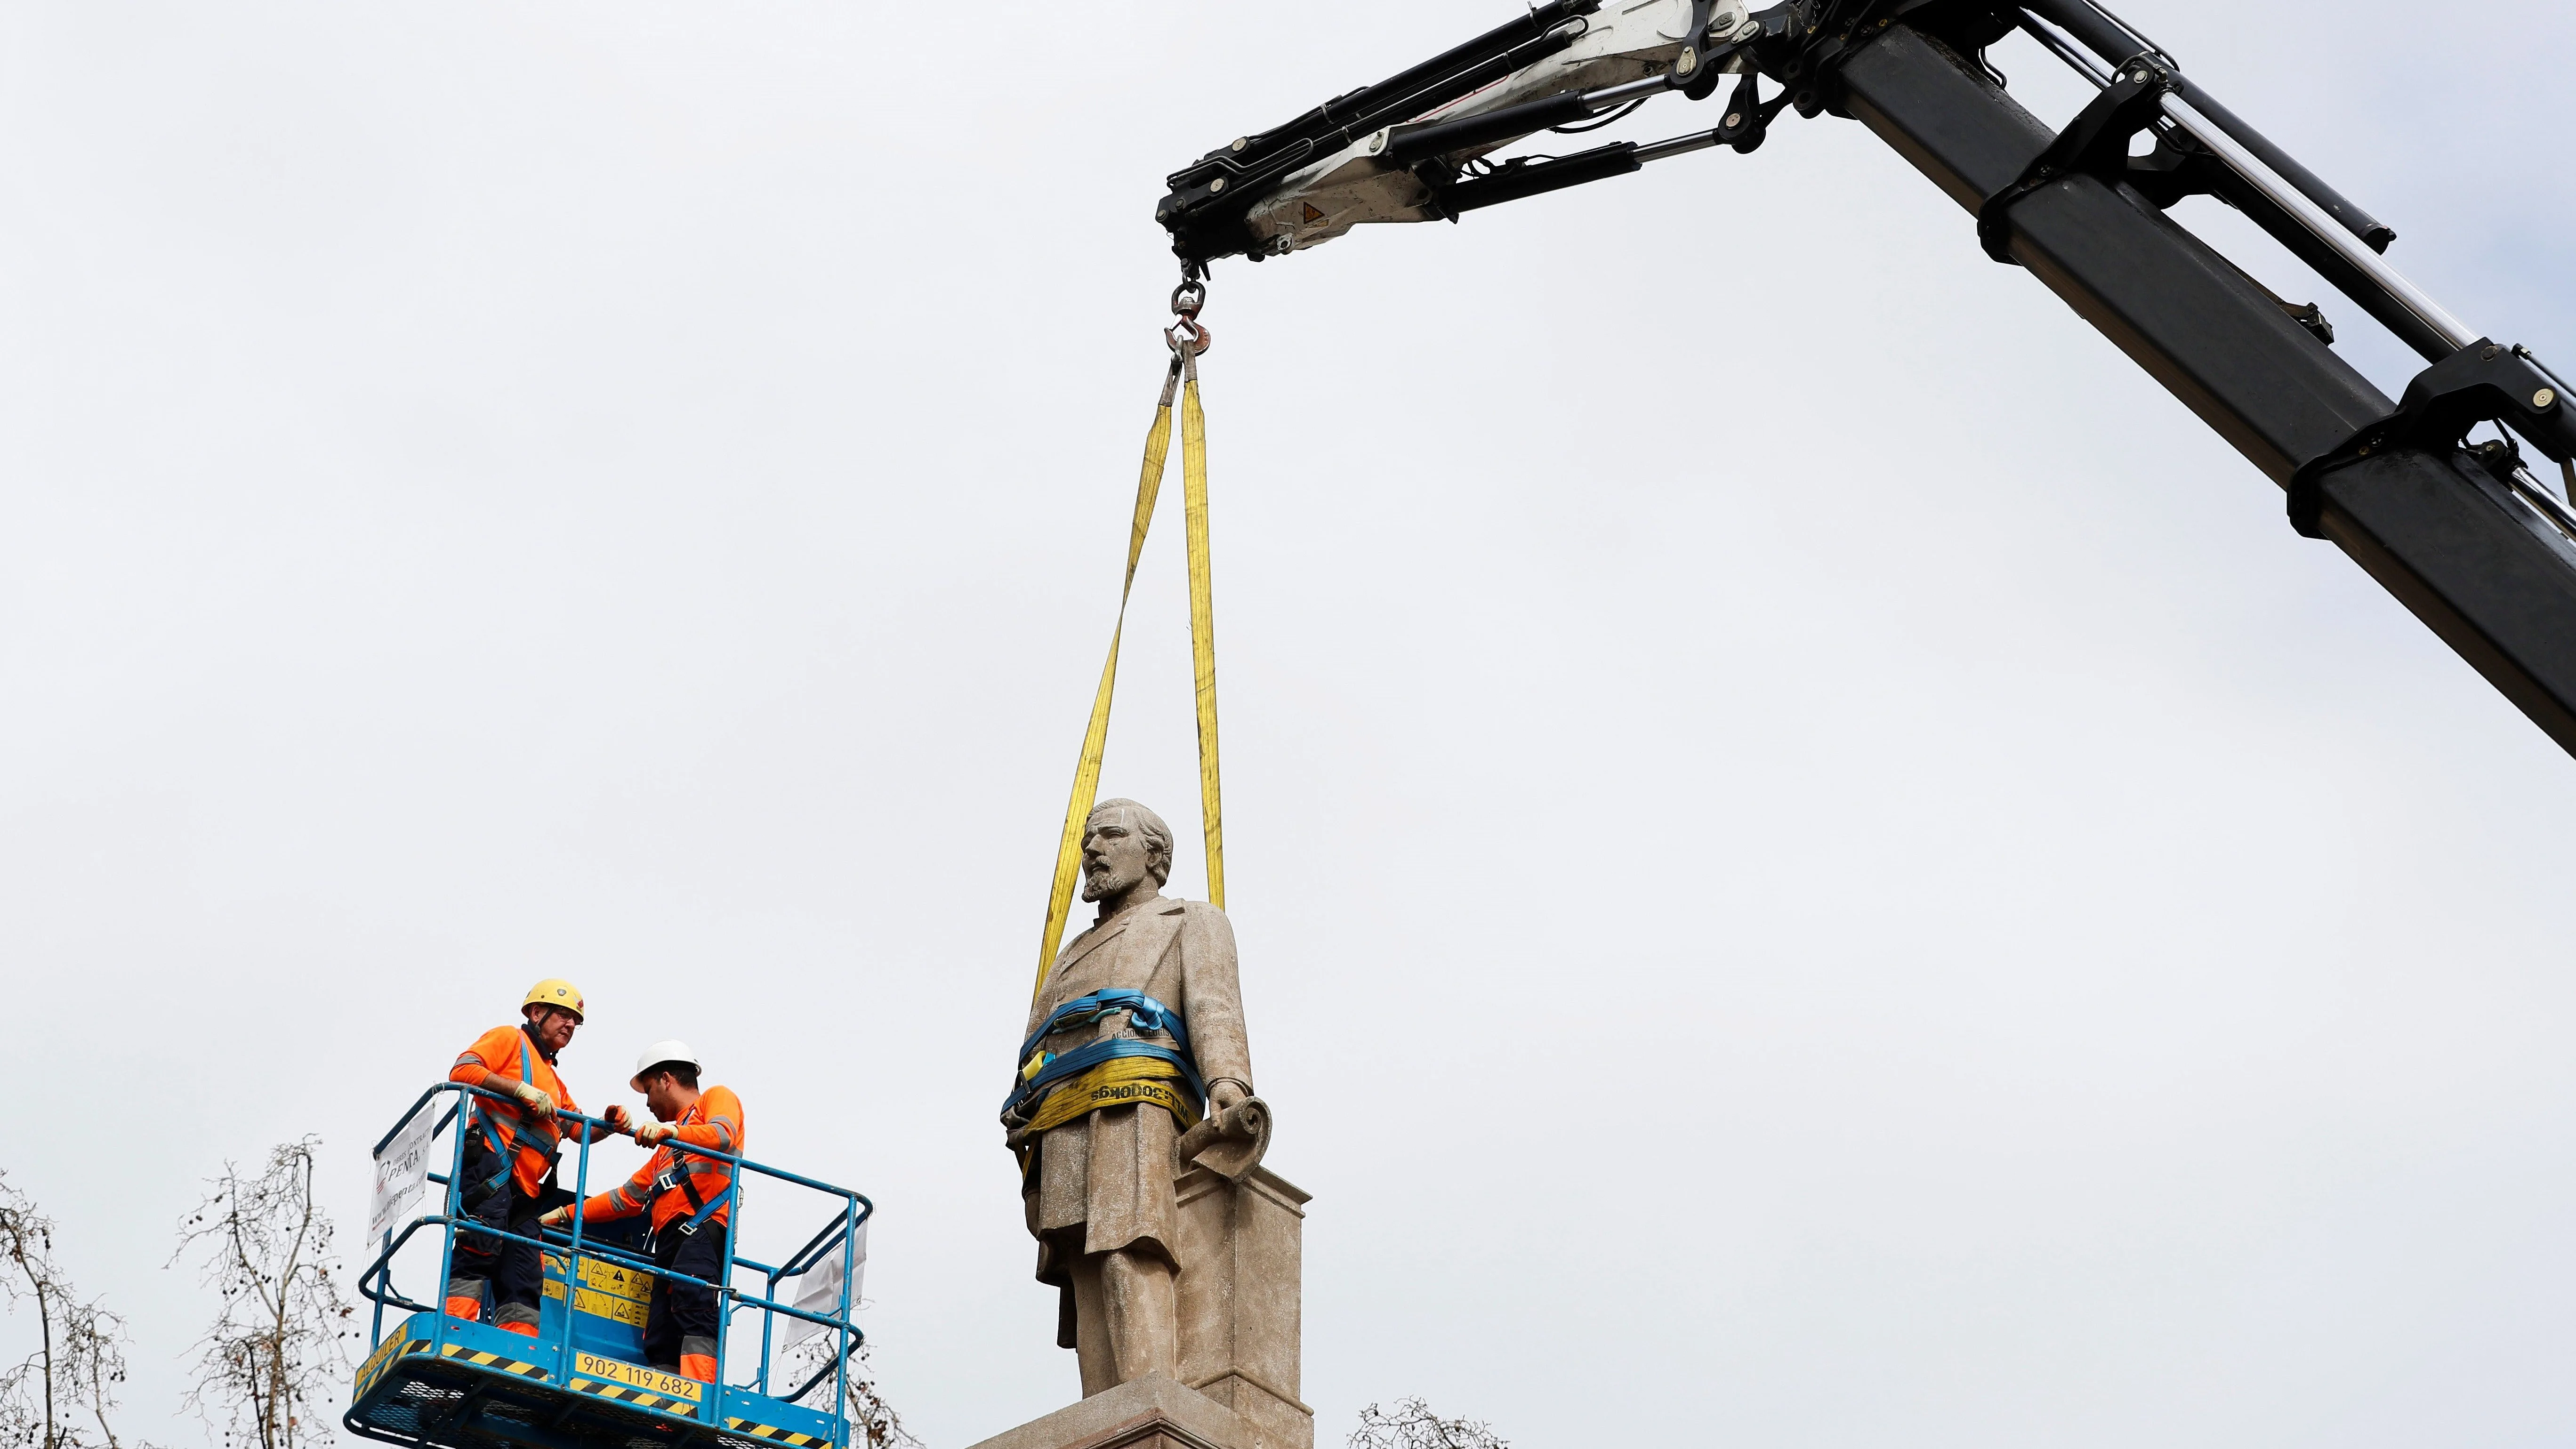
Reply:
x=1816, y=863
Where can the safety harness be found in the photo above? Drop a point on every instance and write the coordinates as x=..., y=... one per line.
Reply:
x=531, y=1133
x=682, y=1175
x=1115, y=1071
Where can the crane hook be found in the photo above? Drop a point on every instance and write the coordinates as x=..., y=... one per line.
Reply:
x=1187, y=300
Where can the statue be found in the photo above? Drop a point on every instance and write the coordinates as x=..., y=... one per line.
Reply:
x=1140, y=1019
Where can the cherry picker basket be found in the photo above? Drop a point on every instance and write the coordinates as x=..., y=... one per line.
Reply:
x=430, y=1379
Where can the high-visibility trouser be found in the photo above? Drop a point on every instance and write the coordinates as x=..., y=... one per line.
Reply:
x=680, y=1324
x=514, y=1271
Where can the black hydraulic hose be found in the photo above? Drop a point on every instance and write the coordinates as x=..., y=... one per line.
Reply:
x=2116, y=43
x=2374, y=233
x=2260, y=208
x=1514, y=183
x=1603, y=124
x=1442, y=137
x=2343, y=276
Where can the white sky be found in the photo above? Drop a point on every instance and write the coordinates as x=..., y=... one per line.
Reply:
x=1816, y=863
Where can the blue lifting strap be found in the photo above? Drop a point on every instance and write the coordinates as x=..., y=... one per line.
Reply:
x=1144, y=1013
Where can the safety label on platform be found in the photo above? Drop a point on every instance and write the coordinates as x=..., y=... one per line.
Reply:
x=602, y=1305
x=610, y=1278
x=605, y=1276
x=652, y=1381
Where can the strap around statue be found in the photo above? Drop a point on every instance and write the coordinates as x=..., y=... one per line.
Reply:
x=1116, y=1071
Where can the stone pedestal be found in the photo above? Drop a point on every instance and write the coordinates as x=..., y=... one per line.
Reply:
x=1240, y=1292
x=1151, y=1413
x=1240, y=1287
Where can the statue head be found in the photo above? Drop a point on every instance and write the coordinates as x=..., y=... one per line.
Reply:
x=1123, y=846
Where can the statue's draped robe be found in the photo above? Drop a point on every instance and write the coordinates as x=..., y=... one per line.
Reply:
x=1103, y=1183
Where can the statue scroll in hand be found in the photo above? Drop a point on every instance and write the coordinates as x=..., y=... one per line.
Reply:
x=1136, y=1039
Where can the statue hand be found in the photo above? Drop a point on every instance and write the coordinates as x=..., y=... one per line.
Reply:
x=1224, y=1092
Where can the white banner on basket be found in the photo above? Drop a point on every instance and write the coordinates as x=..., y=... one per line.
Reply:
x=818, y=1290
x=402, y=1172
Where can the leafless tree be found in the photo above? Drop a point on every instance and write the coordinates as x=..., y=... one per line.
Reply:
x=1412, y=1425
x=869, y=1412
x=279, y=1346
x=80, y=1355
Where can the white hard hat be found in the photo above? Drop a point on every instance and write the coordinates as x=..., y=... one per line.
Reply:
x=660, y=1052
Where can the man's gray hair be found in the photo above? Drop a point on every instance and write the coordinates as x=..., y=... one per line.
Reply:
x=1158, y=836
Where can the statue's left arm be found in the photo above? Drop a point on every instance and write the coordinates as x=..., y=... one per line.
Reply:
x=1212, y=1003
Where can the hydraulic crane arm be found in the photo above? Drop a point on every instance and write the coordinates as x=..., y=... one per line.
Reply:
x=2465, y=536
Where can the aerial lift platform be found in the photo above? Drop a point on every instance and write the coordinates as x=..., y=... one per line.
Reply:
x=581, y=1383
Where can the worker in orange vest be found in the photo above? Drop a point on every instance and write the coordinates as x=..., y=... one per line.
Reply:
x=510, y=1154
x=691, y=1200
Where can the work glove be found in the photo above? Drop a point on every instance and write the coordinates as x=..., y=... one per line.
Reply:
x=652, y=1133
x=535, y=1099
x=559, y=1218
x=617, y=1119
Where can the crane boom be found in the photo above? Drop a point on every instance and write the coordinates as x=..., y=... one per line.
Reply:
x=2465, y=536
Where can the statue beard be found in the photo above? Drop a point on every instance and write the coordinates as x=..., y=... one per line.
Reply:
x=1100, y=884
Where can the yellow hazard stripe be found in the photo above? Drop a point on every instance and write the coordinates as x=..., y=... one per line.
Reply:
x=1194, y=492
x=1095, y=739
x=393, y=1351
x=1118, y=1082
x=480, y=1359
x=776, y=1435
x=382, y=1359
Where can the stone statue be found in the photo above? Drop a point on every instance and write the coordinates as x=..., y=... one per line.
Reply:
x=1149, y=996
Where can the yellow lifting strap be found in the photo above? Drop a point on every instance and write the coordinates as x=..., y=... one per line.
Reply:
x=1194, y=495
x=1188, y=341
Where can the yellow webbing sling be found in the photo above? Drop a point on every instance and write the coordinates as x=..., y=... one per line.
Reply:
x=1188, y=341
x=1194, y=495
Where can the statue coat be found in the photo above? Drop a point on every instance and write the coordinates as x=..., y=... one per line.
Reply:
x=1103, y=1183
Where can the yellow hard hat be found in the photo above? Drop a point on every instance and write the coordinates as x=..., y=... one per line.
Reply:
x=556, y=992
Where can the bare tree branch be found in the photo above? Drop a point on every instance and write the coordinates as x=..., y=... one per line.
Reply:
x=269, y=1365
x=80, y=1360
x=1412, y=1425
x=869, y=1412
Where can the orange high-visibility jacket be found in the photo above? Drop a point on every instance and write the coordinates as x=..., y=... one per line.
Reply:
x=677, y=1184
x=530, y=1146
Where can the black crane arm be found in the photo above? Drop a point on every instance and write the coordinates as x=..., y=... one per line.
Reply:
x=2465, y=536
